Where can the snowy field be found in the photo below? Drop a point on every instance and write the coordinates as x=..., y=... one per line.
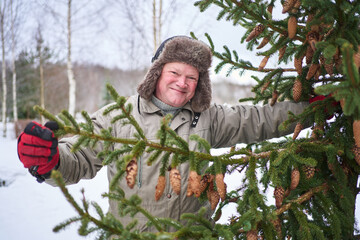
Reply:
x=29, y=210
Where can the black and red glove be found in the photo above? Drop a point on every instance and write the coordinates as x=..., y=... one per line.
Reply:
x=38, y=149
x=321, y=98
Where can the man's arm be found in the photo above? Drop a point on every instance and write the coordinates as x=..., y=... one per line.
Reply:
x=249, y=124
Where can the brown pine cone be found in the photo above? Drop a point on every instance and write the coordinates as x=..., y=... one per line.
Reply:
x=251, y=235
x=175, y=180
x=309, y=55
x=160, y=186
x=193, y=184
x=287, y=5
x=356, y=131
x=292, y=25
x=217, y=215
x=264, y=41
x=356, y=151
x=274, y=98
x=213, y=196
x=277, y=226
x=357, y=58
x=298, y=64
x=219, y=179
x=296, y=7
x=263, y=63
x=297, y=130
x=309, y=171
x=315, y=133
x=204, y=182
x=342, y=103
x=312, y=70
x=266, y=85
x=297, y=90
x=279, y=196
x=282, y=52
x=312, y=37
x=328, y=66
x=131, y=172
x=295, y=178
x=255, y=32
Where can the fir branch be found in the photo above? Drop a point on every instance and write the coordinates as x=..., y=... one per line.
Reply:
x=305, y=197
x=56, y=175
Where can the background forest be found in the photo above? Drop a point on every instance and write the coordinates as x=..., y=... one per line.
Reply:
x=60, y=54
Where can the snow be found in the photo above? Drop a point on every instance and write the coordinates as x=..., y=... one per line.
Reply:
x=29, y=210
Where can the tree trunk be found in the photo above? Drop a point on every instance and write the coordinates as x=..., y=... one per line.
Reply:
x=72, y=82
x=15, y=113
x=3, y=70
x=154, y=26
x=159, y=23
x=42, y=84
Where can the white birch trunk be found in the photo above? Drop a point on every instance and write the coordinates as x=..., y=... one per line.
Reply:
x=154, y=26
x=159, y=23
x=3, y=70
x=72, y=82
x=15, y=111
x=42, y=84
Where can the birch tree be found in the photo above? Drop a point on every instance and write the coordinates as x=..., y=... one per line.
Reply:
x=4, y=86
x=71, y=78
x=13, y=19
x=145, y=27
x=157, y=24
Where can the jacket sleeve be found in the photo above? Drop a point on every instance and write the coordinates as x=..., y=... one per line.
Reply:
x=249, y=124
x=82, y=164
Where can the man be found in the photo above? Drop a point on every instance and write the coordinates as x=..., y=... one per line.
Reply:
x=177, y=83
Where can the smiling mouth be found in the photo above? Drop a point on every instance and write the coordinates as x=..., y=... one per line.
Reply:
x=178, y=90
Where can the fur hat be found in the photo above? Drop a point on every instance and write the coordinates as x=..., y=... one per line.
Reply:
x=186, y=50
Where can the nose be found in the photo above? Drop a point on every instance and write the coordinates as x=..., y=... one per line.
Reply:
x=181, y=82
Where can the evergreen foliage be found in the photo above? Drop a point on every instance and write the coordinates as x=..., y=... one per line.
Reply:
x=321, y=204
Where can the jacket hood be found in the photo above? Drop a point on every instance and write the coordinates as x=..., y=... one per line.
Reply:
x=186, y=50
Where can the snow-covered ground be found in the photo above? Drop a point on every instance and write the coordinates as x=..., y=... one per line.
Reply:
x=29, y=210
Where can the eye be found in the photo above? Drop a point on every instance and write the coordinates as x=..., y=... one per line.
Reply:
x=194, y=79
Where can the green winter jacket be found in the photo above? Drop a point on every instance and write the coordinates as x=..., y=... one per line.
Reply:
x=221, y=126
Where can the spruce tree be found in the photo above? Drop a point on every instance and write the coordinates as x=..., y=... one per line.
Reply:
x=314, y=177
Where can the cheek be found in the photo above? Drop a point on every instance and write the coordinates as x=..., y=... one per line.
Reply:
x=192, y=89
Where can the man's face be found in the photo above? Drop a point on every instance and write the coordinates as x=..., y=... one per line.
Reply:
x=177, y=83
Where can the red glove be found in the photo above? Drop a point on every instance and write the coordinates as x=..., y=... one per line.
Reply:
x=38, y=149
x=322, y=97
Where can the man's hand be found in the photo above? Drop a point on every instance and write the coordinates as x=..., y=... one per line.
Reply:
x=38, y=149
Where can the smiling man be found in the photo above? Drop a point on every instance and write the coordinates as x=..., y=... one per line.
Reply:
x=177, y=83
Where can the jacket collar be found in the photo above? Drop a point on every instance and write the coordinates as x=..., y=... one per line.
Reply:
x=147, y=106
